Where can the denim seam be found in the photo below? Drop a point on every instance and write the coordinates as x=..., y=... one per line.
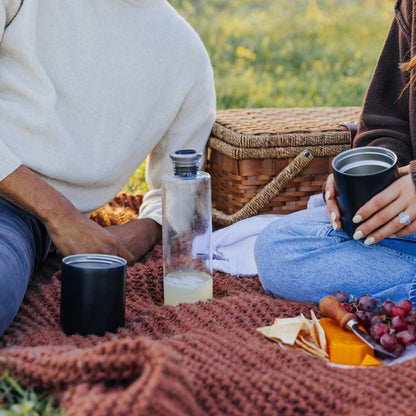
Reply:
x=412, y=292
x=326, y=230
x=389, y=250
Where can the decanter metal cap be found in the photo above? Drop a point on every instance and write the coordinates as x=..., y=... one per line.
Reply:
x=185, y=162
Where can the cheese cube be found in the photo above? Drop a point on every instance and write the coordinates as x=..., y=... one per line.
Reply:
x=344, y=347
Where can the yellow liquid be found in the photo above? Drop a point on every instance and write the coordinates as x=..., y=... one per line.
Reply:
x=189, y=287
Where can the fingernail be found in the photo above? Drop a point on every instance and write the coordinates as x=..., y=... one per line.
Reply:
x=333, y=216
x=334, y=226
x=357, y=219
x=358, y=235
x=370, y=240
x=327, y=195
x=392, y=236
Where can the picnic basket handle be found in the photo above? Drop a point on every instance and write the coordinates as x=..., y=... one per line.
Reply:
x=271, y=190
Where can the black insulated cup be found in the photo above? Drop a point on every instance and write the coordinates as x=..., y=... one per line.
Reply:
x=360, y=174
x=93, y=291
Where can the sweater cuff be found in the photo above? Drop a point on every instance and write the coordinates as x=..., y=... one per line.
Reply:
x=152, y=206
x=9, y=162
x=413, y=170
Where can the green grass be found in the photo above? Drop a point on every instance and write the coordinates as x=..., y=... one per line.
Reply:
x=18, y=401
x=137, y=182
x=288, y=53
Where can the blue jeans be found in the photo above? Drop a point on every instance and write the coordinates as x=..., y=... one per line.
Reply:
x=300, y=257
x=23, y=245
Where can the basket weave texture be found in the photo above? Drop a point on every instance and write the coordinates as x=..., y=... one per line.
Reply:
x=271, y=160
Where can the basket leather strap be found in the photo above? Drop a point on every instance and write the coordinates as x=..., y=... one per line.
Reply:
x=352, y=127
x=271, y=190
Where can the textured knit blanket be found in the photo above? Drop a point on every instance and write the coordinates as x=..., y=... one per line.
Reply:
x=200, y=359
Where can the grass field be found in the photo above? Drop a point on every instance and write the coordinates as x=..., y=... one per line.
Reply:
x=288, y=53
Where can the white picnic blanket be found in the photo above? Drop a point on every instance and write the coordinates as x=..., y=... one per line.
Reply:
x=233, y=246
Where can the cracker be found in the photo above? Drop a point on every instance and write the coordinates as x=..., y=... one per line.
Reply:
x=285, y=330
x=320, y=332
x=298, y=333
x=312, y=348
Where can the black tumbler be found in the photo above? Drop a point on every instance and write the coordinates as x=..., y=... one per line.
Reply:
x=360, y=174
x=93, y=292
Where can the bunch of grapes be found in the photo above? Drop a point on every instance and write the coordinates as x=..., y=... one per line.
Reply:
x=392, y=325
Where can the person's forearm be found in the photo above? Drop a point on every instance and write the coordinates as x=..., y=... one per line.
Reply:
x=71, y=231
x=27, y=190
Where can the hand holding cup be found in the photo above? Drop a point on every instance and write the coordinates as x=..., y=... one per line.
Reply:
x=359, y=175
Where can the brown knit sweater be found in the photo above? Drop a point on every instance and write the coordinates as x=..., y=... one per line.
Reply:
x=387, y=120
x=200, y=359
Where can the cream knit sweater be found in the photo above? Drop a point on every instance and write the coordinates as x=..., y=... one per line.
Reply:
x=89, y=88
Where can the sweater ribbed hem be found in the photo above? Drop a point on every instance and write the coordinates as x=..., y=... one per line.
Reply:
x=154, y=215
x=8, y=164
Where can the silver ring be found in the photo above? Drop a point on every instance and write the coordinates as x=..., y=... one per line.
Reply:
x=404, y=218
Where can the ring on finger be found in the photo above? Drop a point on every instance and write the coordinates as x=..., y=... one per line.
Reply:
x=404, y=218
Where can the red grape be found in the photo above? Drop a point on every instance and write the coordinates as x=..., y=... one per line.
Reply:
x=364, y=318
x=366, y=303
x=398, y=323
x=378, y=330
x=398, y=349
x=406, y=305
x=397, y=311
x=341, y=296
x=388, y=341
x=376, y=319
x=347, y=307
x=406, y=337
x=412, y=329
x=386, y=307
x=410, y=319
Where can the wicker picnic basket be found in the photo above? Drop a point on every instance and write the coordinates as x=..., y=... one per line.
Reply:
x=271, y=160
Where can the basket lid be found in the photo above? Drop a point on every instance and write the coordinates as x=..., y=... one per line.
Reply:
x=284, y=127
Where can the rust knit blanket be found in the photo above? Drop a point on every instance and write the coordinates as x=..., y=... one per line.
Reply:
x=201, y=359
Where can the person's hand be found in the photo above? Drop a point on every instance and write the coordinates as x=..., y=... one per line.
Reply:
x=379, y=217
x=331, y=203
x=138, y=236
x=76, y=234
